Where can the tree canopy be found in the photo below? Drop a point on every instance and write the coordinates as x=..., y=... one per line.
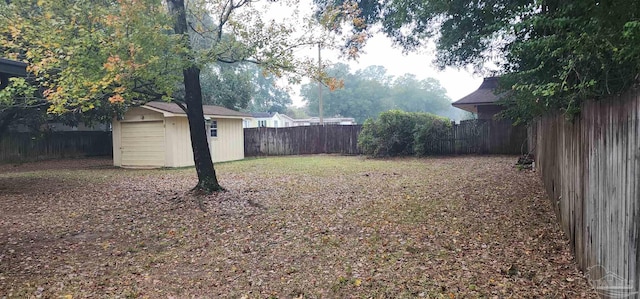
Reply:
x=368, y=92
x=243, y=86
x=91, y=55
x=553, y=54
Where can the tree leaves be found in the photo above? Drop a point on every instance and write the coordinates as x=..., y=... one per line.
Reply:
x=555, y=54
x=82, y=60
x=366, y=93
x=93, y=54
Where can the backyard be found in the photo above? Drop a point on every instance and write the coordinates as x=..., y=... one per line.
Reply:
x=291, y=227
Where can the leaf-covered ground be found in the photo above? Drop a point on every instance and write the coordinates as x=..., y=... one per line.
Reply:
x=292, y=227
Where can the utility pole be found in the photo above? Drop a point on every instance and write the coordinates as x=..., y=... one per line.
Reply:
x=320, y=86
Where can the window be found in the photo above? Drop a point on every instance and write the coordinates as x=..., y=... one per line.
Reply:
x=213, y=129
x=275, y=123
x=287, y=124
x=262, y=123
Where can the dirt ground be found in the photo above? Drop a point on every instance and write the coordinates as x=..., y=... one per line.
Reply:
x=291, y=227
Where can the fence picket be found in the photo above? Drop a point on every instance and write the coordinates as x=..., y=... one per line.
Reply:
x=16, y=147
x=589, y=167
x=468, y=137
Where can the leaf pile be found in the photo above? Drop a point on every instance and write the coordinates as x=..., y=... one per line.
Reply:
x=293, y=227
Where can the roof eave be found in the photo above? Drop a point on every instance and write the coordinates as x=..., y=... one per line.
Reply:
x=183, y=114
x=472, y=107
x=225, y=116
x=164, y=112
x=13, y=68
x=466, y=107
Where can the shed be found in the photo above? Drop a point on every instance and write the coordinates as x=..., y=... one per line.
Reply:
x=483, y=101
x=157, y=135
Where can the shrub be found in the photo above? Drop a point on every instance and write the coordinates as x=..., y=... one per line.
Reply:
x=429, y=130
x=399, y=133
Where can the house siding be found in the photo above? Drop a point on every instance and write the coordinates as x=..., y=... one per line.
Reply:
x=229, y=145
x=488, y=112
x=179, y=150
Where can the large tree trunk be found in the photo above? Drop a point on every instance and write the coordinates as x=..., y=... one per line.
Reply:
x=207, y=180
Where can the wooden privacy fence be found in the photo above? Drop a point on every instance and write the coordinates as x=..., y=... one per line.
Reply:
x=332, y=139
x=34, y=146
x=468, y=137
x=591, y=170
x=481, y=137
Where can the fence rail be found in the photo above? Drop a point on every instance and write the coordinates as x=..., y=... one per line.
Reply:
x=16, y=147
x=591, y=170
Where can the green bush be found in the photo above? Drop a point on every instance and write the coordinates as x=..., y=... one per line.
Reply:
x=399, y=133
x=430, y=128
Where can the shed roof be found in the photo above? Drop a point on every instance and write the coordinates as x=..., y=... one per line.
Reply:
x=210, y=110
x=484, y=95
x=12, y=67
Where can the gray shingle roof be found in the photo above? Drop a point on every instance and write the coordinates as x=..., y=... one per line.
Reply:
x=262, y=114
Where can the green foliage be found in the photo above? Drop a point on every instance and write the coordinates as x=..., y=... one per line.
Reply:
x=427, y=129
x=359, y=98
x=268, y=96
x=370, y=91
x=296, y=112
x=86, y=54
x=553, y=54
x=107, y=55
x=399, y=133
x=17, y=92
x=243, y=86
x=227, y=85
x=413, y=95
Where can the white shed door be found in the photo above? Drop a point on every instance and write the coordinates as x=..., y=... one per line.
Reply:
x=142, y=143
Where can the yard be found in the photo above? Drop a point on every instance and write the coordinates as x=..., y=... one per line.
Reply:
x=293, y=227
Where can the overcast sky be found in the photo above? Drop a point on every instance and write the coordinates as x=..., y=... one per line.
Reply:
x=379, y=51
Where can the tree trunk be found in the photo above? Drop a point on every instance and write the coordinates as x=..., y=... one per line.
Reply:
x=207, y=180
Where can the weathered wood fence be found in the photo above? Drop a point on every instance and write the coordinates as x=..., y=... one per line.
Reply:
x=15, y=147
x=591, y=171
x=468, y=137
x=333, y=139
x=482, y=137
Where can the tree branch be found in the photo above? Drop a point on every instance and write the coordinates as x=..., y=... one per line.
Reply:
x=180, y=104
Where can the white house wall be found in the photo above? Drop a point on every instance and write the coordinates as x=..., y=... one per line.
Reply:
x=281, y=119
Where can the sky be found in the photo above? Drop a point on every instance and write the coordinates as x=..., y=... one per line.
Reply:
x=380, y=51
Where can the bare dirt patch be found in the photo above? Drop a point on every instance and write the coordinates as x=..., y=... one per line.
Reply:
x=296, y=227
